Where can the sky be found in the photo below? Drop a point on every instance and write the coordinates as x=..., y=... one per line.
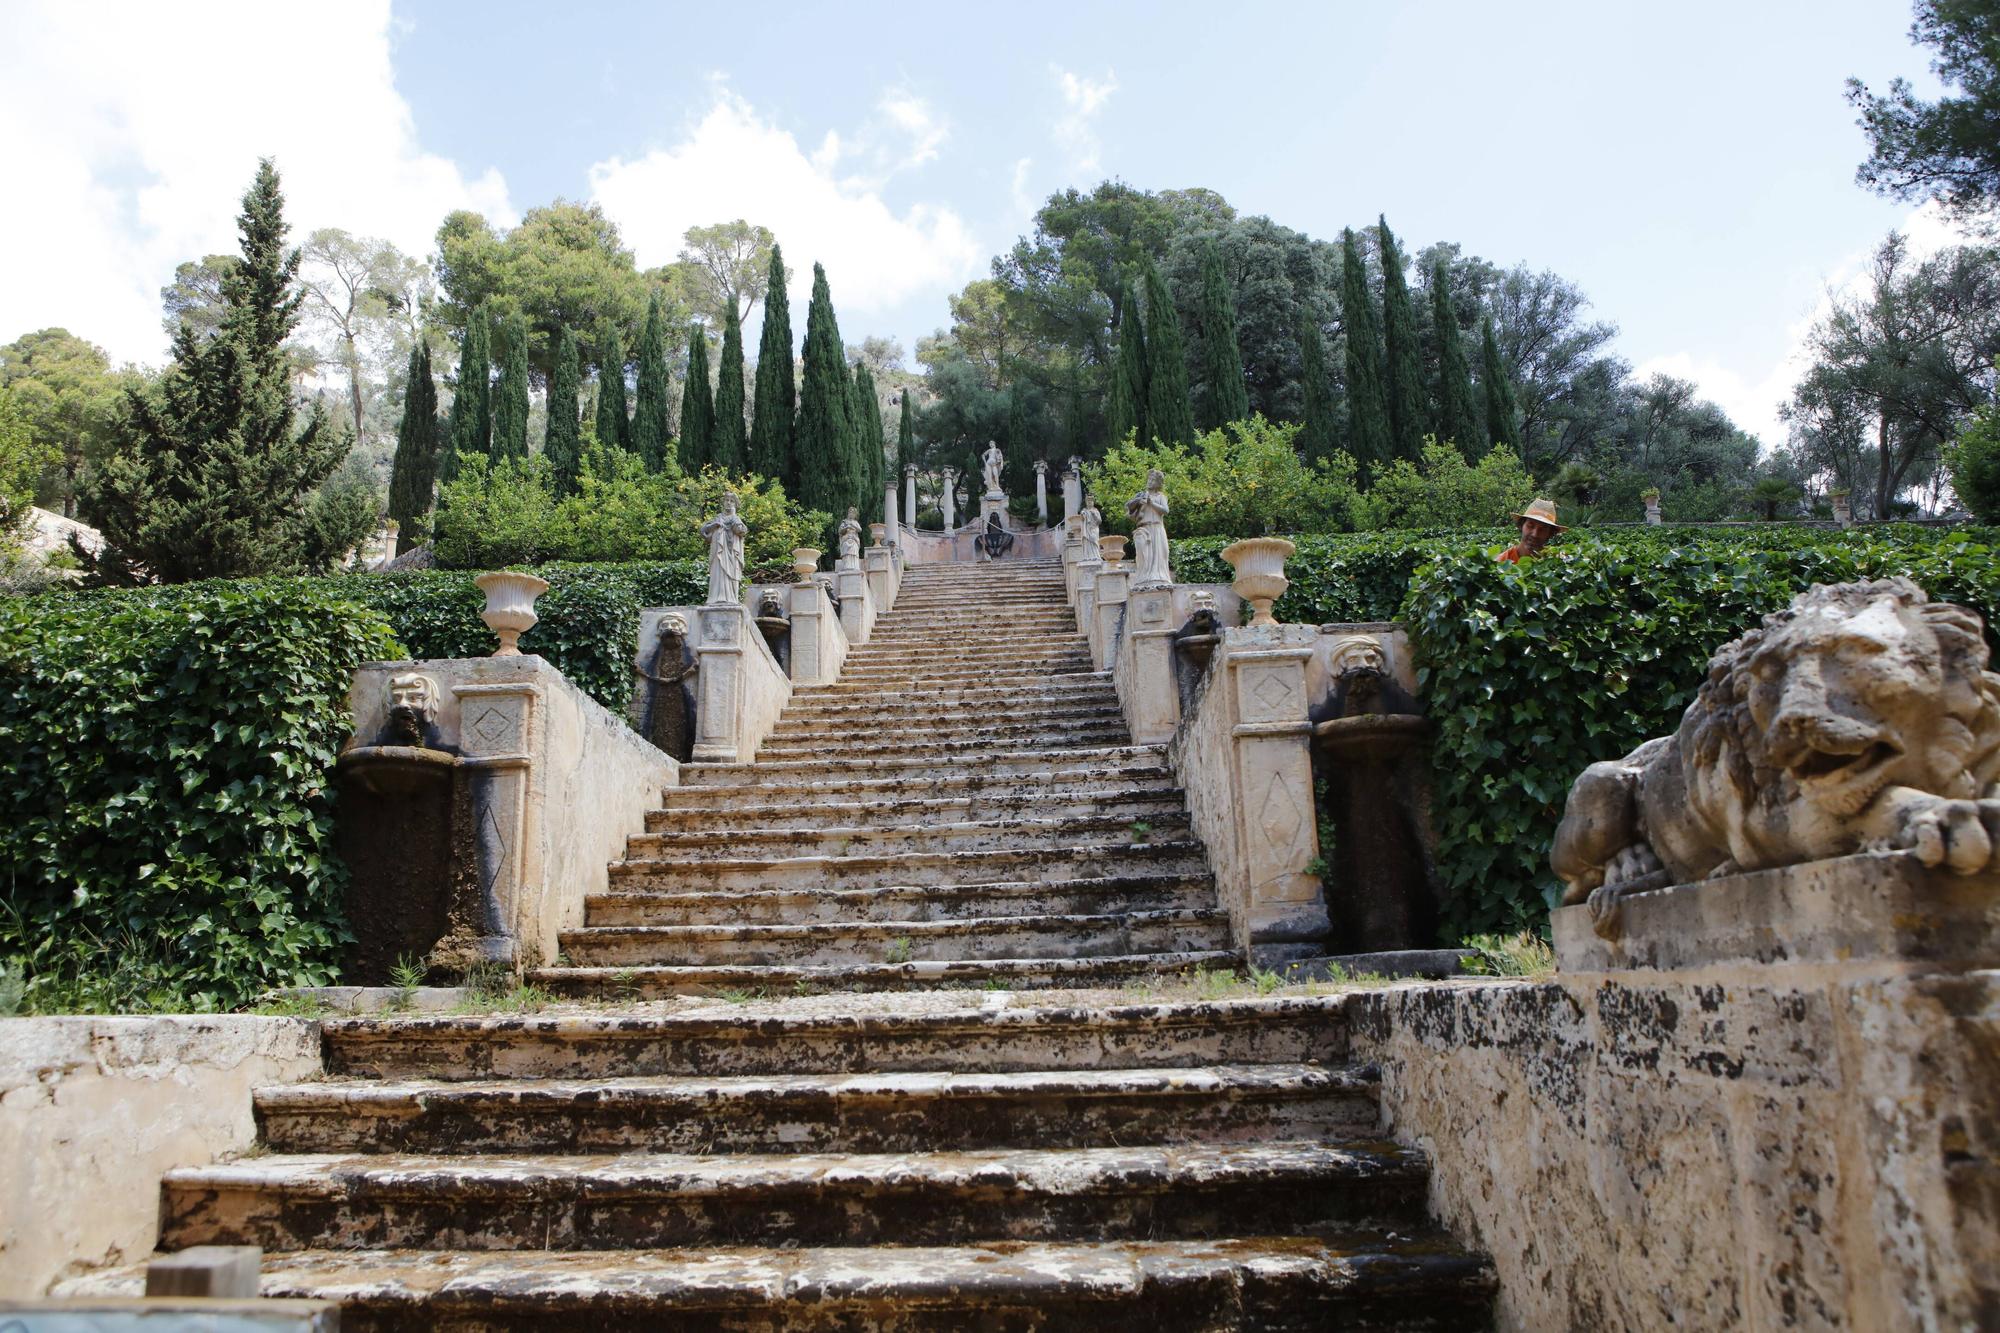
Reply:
x=1689, y=166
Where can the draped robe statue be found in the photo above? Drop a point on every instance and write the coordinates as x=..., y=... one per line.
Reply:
x=725, y=533
x=1148, y=512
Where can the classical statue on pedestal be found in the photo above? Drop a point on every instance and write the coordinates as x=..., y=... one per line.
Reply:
x=725, y=533
x=1148, y=512
x=850, y=535
x=991, y=463
x=1093, y=523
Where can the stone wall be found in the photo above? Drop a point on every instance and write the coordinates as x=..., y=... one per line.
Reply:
x=93, y=1110
x=1739, y=1144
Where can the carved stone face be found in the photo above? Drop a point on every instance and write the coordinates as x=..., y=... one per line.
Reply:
x=1358, y=656
x=673, y=622
x=729, y=504
x=413, y=703
x=1156, y=480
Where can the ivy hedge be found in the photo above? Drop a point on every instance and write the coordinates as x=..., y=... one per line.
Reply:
x=166, y=835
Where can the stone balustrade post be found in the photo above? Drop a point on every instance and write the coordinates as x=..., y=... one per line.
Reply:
x=909, y=495
x=725, y=630
x=1108, y=617
x=1042, y=492
x=1086, y=590
x=1147, y=688
x=1072, y=554
x=950, y=502
x=1271, y=761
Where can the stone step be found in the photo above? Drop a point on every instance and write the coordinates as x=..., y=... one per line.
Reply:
x=660, y=1200
x=958, y=724
x=1359, y=1282
x=831, y=786
x=881, y=870
x=841, y=1034
x=1146, y=759
x=890, y=676
x=905, y=902
x=1054, y=625
x=638, y=983
x=969, y=743
x=1063, y=681
x=1033, y=651
x=1025, y=711
x=704, y=845
x=821, y=1113
x=1041, y=802
x=841, y=943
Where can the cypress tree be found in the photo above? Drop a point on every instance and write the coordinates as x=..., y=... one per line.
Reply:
x=1126, y=413
x=472, y=400
x=1503, y=411
x=823, y=440
x=1457, y=420
x=562, y=445
x=1402, y=357
x=1316, y=439
x=731, y=448
x=773, y=451
x=871, y=472
x=1224, y=397
x=1021, y=445
x=697, y=442
x=906, y=443
x=510, y=396
x=1169, y=415
x=614, y=427
x=1367, y=408
x=414, y=470
x=650, y=426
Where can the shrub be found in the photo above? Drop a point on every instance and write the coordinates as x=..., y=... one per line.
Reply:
x=166, y=828
x=1447, y=491
x=1975, y=465
x=1245, y=478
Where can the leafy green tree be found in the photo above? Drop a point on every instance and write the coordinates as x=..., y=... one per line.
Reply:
x=1944, y=150
x=22, y=458
x=1223, y=398
x=354, y=291
x=1245, y=479
x=1401, y=357
x=69, y=400
x=772, y=452
x=824, y=441
x=1770, y=492
x=510, y=395
x=727, y=263
x=1442, y=490
x=413, y=472
x=1316, y=434
x=1126, y=417
x=562, y=444
x=1368, y=433
x=194, y=297
x=472, y=397
x=614, y=427
x=214, y=477
x=697, y=439
x=1169, y=415
x=650, y=427
x=732, y=447
x=1974, y=461
x=1503, y=413
x=1457, y=418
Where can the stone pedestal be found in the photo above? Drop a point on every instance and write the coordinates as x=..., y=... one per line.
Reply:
x=818, y=643
x=723, y=635
x=857, y=603
x=1072, y=553
x=1653, y=516
x=1145, y=669
x=993, y=502
x=880, y=563
x=1108, y=615
x=1086, y=590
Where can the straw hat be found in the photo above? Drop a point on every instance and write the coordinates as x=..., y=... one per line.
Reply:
x=1542, y=511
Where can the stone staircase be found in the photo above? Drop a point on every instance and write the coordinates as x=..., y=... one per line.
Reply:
x=903, y=1155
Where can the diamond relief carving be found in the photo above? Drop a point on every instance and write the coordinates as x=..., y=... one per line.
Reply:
x=1272, y=691
x=1279, y=815
x=494, y=727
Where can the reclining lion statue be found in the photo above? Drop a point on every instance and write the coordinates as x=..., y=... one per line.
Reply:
x=1860, y=718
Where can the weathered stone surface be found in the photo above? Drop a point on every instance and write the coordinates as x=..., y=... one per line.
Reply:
x=97, y=1109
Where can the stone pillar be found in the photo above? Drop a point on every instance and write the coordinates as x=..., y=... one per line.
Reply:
x=1285, y=915
x=1843, y=509
x=1072, y=488
x=910, y=493
x=497, y=736
x=950, y=505
x=1109, y=616
x=1086, y=590
x=811, y=660
x=1042, y=492
x=889, y=514
x=725, y=631
x=1652, y=509
x=880, y=562
x=1146, y=684
x=1072, y=553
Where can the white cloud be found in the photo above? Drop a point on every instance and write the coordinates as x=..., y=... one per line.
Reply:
x=734, y=164
x=130, y=151
x=1025, y=202
x=1075, y=129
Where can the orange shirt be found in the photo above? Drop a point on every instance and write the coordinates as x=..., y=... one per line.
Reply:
x=1512, y=555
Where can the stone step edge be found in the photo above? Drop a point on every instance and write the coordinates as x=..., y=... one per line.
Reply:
x=1160, y=881
x=809, y=930
x=731, y=976
x=1172, y=797
x=636, y=865
x=934, y=829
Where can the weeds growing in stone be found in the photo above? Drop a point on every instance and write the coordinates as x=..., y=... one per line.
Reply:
x=1522, y=955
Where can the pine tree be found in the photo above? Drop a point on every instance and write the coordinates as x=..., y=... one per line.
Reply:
x=906, y=444
x=1503, y=412
x=1402, y=358
x=1457, y=420
x=1224, y=397
x=614, y=427
x=773, y=449
x=1169, y=416
x=823, y=441
x=1126, y=412
x=697, y=442
x=650, y=426
x=413, y=472
x=213, y=477
x=1367, y=408
x=1316, y=439
x=562, y=445
x=510, y=395
x=731, y=448
x=472, y=399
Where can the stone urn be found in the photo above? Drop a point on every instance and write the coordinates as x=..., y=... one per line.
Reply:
x=805, y=562
x=878, y=534
x=1259, y=563
x=510, y=606
x=1112, y=549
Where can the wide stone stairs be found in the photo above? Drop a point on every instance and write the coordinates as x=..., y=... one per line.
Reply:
x=903, y=1155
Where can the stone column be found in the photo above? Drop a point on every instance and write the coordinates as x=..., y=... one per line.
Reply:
x=910, y=493
x=1072, y=553
x=950, y=506
x=1086, y=590
x=725, y=630
x=889, y=515
x=1042, y=492
x=1109, y=616
x=880, y=562
x=497, y=725
x=1072, y=487
x=810, y=658
x=1278, y=834
x=1146, y=684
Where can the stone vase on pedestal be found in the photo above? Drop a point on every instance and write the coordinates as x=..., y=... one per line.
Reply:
x=805, y=562
x=1112, y=549
x=510, y=606
x=1259, y=563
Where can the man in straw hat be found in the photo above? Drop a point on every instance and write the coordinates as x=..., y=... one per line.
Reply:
x=1538, y=528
